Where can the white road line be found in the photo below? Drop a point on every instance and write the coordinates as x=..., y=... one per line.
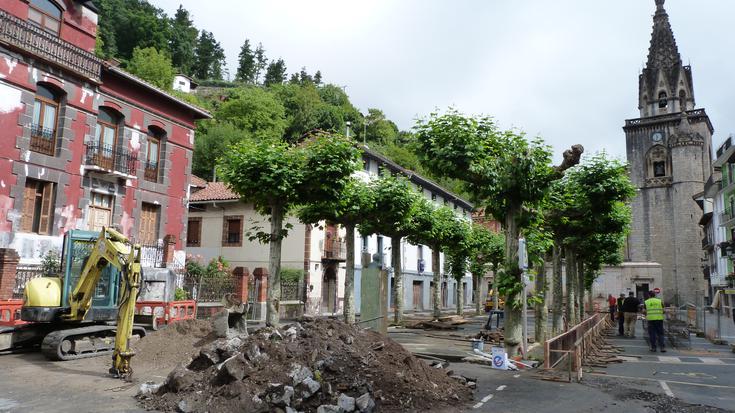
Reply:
x=487, y=398
x=666, y=388
x=710, y=360
x=501, y=388
x=515, y=376
x=714, y=386
x=477, y=405
x=670, y=359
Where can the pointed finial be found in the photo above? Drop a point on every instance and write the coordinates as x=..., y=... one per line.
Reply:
x=660, y=5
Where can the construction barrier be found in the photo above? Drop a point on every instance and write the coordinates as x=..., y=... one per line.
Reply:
x=569, y=348
x=10, y=313
x=162, y=312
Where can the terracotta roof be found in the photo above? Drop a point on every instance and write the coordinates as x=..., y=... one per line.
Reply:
x=214, y=191
x=198, y=182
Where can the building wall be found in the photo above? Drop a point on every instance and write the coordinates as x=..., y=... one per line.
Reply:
x=20, y=74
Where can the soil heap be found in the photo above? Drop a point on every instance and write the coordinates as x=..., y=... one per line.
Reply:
x=314, y=365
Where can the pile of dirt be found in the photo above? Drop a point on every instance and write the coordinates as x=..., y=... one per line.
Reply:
x=313, y=365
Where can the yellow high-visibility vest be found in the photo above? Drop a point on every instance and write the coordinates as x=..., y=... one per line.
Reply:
x=654, y=309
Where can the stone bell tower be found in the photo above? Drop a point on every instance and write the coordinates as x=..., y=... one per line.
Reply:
x=668, y=149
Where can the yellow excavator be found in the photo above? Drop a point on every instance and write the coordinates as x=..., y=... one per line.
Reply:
x=71, y=316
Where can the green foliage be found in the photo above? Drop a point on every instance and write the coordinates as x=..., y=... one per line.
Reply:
x=292, y=274
x=275, y=73
x=183, y=41
x=394, y=205
x=379, y=129
x=246, y=64
x=487, y=250
x=51, y=262
x=180, y=294
x=210, y=57
x=273, y=173
x=127, y=24
x=211, y=142
x=255, y=112
x=152, y=66
x=218, y=268
x=261, y=61
x=459, y=252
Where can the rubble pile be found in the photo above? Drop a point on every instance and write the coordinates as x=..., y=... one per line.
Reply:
x=309, y=366
x=488, y=336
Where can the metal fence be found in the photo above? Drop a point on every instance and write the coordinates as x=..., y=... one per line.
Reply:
x=716, y=323
x=151, y=255
x=22, y=275
x=567, y=350
x=209, y=289
x=292, y=291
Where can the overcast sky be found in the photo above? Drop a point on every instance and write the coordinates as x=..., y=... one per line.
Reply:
x=566, y=70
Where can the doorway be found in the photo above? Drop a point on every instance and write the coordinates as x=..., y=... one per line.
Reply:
x=641, y=290
x=417, y=296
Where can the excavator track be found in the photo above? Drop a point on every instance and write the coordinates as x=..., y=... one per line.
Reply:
x=82, y=342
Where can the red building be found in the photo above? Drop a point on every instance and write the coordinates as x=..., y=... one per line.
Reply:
x=83, y=144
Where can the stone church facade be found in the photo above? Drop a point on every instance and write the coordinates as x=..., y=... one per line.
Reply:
x=669, y=151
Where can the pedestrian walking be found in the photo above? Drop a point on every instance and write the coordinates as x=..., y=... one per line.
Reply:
x=654, y=311
x=621, y=319
x=630, y=312
x=613, y=303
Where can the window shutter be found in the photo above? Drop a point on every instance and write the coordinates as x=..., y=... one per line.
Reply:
x=29, y=200
x=47, y=209
x=225, y=227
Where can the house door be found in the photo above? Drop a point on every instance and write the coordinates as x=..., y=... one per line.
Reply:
x=148, y=233
x=100, y=211
x=417, y=297
x=329, y=289
x=641, y=290
x=431, y=295
x=445, y=294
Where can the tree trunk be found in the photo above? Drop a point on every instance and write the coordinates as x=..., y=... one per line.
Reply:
x=460, y=297
x=476, y=282
x=513, y=305
x=435, y=266
x=395, y=245
x=571, y=266
x=541, y=309
x=274, y=266
x=580, y=289
x=496, y=296
x=349, y=311
x=558, y=291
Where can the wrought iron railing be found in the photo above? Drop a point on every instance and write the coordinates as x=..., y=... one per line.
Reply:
x=22, y=275
x=43, y=140
x=111, y=158
x=335, y=249
x=22, y=35
x=213, y=289
x=151, y=171
x=151, y=256
x=292, y=291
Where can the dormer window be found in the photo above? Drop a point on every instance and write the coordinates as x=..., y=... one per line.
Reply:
x=45, y=14
x=662, y=100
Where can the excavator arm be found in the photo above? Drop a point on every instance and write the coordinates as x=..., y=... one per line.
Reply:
x=111, y=248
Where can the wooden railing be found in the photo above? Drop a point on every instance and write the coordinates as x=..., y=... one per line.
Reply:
x=22, y=35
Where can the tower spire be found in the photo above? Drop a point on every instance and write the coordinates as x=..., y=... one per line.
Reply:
x=663, y=53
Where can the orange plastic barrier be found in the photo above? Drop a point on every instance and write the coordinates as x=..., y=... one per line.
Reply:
x=10, y=313
x=167, y=312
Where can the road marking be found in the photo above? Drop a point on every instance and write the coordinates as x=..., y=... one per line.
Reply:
x=714, y=386
x=670, y=359
x=501, y=388
x=483, y=401
x=7, y=404
x=515, y=376
x=710, y=360
x=666, y=388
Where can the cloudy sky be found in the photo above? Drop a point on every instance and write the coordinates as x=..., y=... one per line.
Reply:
x=566, y=70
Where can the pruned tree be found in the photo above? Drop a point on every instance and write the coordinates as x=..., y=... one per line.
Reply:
x=486, y=253
x=395, y=204
x=457, y=257
x=505, y=172
x=347, y=209
x=276, y=176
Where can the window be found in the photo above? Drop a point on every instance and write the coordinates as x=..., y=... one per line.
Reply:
x=232, y=231
x=103, y=147
x=194, y=232
x=153, y=150
x=38, y=207
x=45, y=14
x=149, y=218
x=659, y=168
x=662, y=100
x=364, y=243
x=366, y=165
x=100, y=211
x=45, y=116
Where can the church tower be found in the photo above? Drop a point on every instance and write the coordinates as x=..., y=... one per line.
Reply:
x=668, y=150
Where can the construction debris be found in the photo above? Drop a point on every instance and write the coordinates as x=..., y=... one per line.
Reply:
x=312, y=366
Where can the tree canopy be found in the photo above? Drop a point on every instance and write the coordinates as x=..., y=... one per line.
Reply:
x=151, y=65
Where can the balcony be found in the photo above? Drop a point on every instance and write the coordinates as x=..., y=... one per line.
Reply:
x=43, y=140
x=151, y=171
x=111, y=159
x=24, y=36
x=335, y=249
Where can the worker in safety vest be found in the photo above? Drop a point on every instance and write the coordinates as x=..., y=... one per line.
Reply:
x=655, y=319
